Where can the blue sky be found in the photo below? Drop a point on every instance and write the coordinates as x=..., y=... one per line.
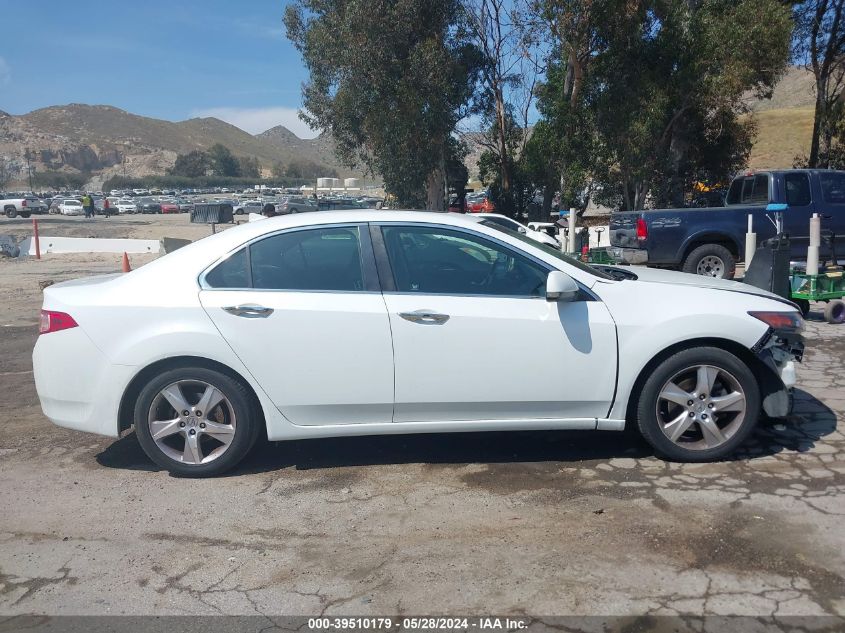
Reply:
x=170, y=60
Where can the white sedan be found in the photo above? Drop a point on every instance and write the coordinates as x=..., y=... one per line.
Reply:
x=372, y=322
x=126, y=205
x=71, y=206
x=513, y=225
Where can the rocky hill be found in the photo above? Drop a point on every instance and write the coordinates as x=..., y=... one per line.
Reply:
x=80, y=138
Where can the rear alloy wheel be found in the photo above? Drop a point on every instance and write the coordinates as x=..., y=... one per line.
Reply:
x=698, y=405
x=195, y=421
x=711, y=260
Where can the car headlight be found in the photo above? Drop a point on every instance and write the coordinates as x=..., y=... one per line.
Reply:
x=781, y=321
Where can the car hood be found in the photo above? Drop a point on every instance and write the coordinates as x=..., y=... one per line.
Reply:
x=660, y=276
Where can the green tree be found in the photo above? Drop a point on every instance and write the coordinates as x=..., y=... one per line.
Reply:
x=223, y=162
x=505, y=35
x=248, y=167
x=191, y=165
x=820, y=41
x=390, y=80
x=687, y=68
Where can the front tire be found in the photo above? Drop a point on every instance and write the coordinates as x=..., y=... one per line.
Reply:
x=698, y=405
x=711, y=260
x=11, y=213
x=195, y=421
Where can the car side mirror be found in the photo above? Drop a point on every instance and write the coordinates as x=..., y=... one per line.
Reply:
x=560, y=287
x=521, y=229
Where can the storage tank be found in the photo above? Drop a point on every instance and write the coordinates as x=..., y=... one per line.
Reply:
x=324, y=183
x=352, y=183
x=336, y=183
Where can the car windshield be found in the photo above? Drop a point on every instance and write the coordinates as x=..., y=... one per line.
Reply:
x=548, y=249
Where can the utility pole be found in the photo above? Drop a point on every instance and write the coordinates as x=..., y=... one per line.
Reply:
x=124, y=165
x=28, y=167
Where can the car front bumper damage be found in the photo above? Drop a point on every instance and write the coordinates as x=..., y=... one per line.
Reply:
x=778, y=351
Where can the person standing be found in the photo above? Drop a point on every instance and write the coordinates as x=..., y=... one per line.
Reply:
x=106, y=207
x=269, y=210
x=86, y=205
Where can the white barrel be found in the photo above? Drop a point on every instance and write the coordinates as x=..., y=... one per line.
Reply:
x=750, y=247
x=750, y=242
x=813, y=248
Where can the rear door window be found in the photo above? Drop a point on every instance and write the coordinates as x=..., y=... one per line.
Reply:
x=327, y=259
x=749, y=190
x=833, y=187
x=798, y=190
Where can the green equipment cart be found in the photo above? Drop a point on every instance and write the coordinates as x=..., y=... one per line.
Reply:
x=826, y=286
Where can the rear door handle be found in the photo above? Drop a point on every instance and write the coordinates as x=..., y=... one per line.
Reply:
x=424, y=316
x=250, y=311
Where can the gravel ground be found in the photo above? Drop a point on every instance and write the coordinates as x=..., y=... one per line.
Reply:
x=540, y=523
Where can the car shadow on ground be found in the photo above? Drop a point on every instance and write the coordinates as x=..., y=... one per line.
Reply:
x=812, y=421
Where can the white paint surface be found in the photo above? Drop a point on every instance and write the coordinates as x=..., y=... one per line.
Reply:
x=89, y=245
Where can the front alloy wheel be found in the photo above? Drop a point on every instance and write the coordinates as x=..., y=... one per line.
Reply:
x=196, y=421
x=698, y=405
x=701, y=407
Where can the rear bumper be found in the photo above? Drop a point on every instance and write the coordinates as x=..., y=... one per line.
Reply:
x=634, y=256
x=77, y=386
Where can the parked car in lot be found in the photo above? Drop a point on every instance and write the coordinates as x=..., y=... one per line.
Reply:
x=374, y=322
x=710, y=241
x=23, y=206
x=247, y=207
x=296, y=204
x=148, y=205
x=513, y=225
x=168, y=206
x=126, y=205
x=480, y=203
x=71, y=206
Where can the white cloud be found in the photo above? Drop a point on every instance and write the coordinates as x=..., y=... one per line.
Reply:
x=256, y=120
x=5, y=72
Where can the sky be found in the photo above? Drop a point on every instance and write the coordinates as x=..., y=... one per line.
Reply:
x=169, y=60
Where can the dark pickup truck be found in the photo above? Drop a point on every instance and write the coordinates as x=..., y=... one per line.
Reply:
x=710, y=241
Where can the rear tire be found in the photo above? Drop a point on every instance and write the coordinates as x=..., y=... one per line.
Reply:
x=834, y=312
x=698, y=405
x=193, y=442
x=710, y=260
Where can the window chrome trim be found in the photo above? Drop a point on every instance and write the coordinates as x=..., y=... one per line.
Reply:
x=360, y=226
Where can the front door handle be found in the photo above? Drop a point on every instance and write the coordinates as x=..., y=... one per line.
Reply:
x=249, y=311
x=425, y=316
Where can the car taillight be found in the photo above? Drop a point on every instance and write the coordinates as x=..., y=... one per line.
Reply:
x=55, y=321
x=23, y=203
x=642, y=229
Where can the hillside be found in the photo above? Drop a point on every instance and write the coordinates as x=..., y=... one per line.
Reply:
x=93, y=139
